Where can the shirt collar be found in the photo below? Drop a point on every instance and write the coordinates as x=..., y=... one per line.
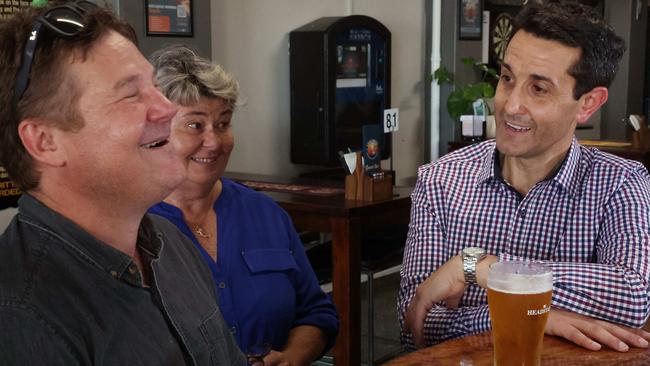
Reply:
x=486, y=171
x=567, y=176
x=83, y=244
x=564, y=177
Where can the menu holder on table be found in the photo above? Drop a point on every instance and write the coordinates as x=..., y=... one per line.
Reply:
x=360, y=186
x=641, y=138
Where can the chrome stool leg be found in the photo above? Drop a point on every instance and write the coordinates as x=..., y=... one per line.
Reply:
x=371, y=319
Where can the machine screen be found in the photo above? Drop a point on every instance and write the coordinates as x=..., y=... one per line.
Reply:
x=352, y=65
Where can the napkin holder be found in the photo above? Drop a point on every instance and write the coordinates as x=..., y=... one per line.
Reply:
x=641, y=137
x=359, y=186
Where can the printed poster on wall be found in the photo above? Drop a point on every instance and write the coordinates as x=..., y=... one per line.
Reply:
x=9, y=193
x=8, y=7
x=169, y=17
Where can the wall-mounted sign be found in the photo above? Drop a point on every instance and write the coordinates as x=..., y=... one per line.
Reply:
x=470, y=19
x=8, y=7
x=9, y=193
x=169, y=17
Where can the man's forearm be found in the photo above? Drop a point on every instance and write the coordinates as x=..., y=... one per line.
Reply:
x=602, y=291
x=442, y=324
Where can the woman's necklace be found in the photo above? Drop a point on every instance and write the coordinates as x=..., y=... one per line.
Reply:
x=200, y=232
x=204, y=229
x=197, y=229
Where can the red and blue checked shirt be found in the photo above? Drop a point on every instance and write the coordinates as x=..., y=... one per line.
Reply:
x=590, y=223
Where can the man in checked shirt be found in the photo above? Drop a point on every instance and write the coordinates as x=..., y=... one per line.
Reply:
x=536, y=194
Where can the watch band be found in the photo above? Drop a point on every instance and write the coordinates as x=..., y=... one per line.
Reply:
x=471, y=256
x=469, y=269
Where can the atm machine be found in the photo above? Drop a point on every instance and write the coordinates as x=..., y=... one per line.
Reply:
x=340, y=80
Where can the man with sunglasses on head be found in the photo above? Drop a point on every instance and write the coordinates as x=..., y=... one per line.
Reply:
x=85, y=276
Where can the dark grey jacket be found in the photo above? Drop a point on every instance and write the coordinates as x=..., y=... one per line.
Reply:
x=66, y=298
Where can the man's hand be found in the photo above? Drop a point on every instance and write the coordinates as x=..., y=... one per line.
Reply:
x=591, y=333
x=447, y=283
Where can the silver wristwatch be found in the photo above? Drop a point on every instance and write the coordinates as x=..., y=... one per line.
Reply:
x=471, y=256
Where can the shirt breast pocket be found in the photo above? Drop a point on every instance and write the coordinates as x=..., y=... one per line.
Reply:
x=261, y=261
x=212, y=330
x=273, y=273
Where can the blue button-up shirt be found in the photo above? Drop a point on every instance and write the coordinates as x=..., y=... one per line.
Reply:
x=265, y=283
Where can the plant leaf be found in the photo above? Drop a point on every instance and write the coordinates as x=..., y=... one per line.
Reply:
x=472, y=92
x=460, y=100
x=469, y=61
x=457, y=105
x=492, y=72
x=487, y=89
x=442, y=75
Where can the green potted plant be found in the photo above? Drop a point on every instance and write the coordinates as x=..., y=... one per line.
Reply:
x=460, y=100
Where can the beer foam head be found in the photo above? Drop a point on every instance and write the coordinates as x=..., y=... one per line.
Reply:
x=520, y=277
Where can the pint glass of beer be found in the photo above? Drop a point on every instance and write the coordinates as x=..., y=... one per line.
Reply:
x=519, y=298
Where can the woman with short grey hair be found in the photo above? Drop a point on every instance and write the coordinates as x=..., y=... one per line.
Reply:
x=267, y=290
x=184, y=77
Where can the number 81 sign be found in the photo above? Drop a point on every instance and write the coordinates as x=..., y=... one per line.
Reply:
x=391, y=120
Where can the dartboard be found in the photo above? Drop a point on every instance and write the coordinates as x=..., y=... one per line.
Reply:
x=501, y=34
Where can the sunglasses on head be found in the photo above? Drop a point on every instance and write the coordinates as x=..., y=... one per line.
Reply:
x=65, y=21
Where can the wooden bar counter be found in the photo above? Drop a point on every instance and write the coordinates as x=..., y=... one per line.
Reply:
x=618, y=148
x=476, y=350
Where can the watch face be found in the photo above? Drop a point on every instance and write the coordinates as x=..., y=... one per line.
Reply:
x=474, y=251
